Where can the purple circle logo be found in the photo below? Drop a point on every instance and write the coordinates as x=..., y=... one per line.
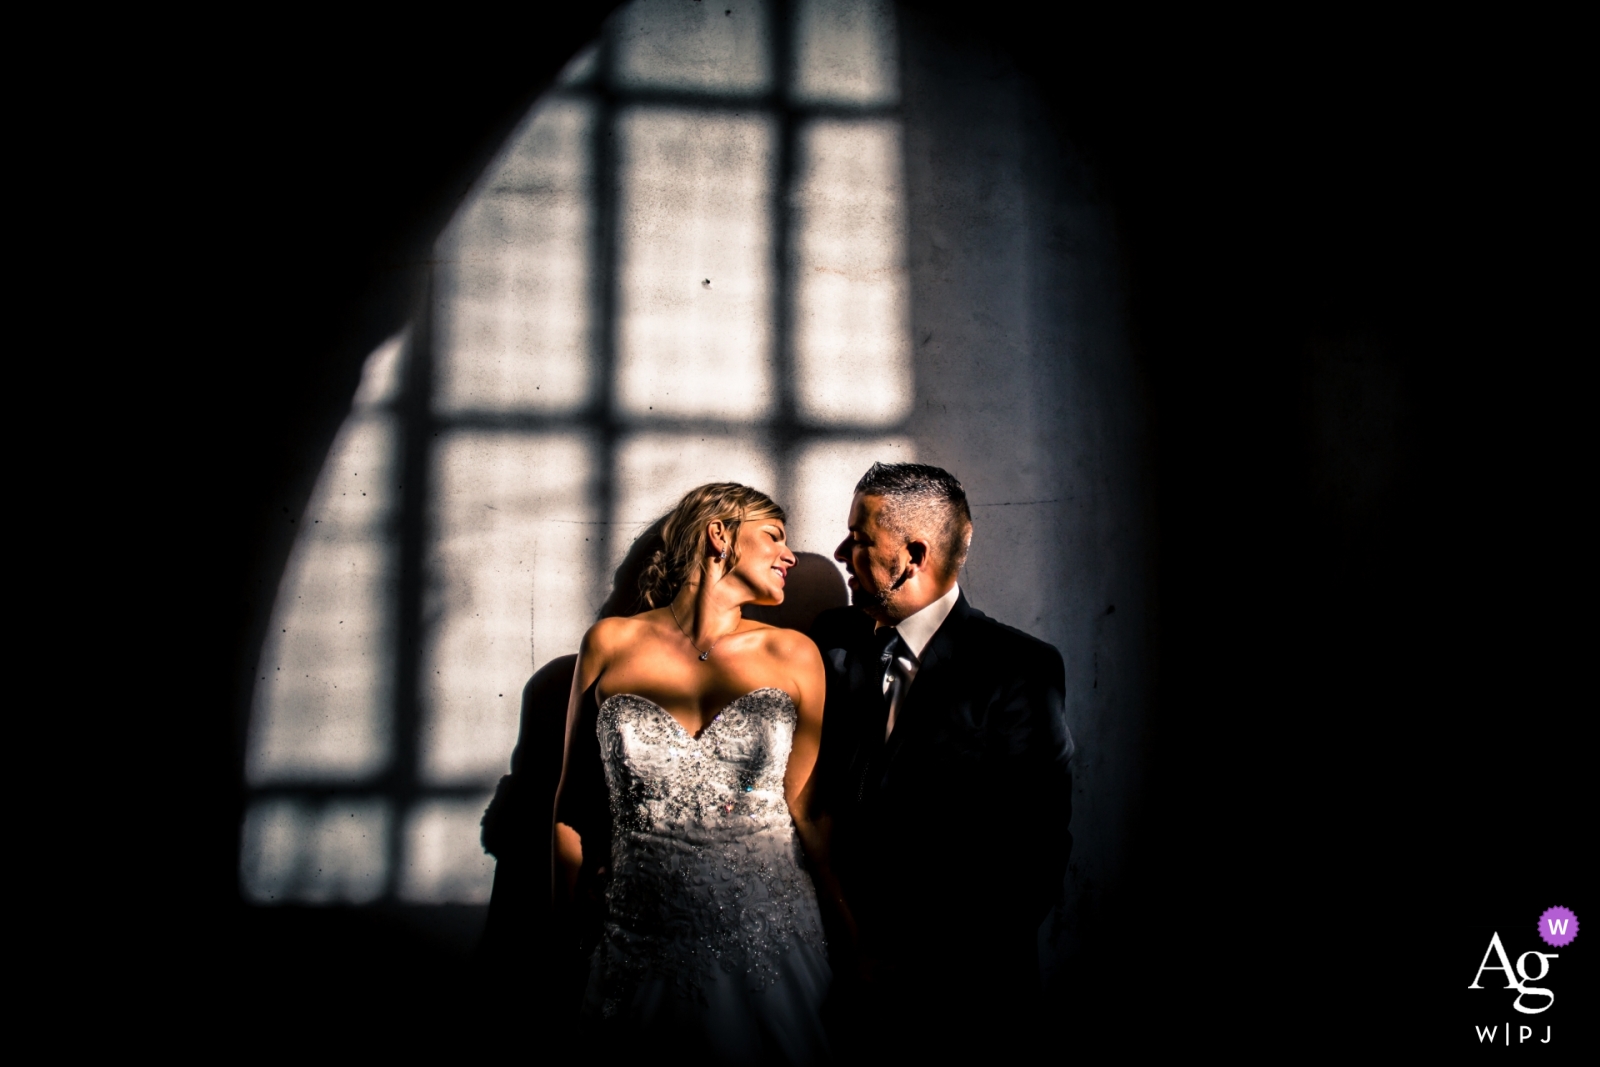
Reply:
x=1558, y=926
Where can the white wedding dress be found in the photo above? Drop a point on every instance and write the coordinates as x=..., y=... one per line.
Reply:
x=712, y=945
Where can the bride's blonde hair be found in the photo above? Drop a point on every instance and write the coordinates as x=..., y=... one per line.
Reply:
x=682, y=535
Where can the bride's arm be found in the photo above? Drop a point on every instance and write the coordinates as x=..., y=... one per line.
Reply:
x=566, y=841
x=800, y=784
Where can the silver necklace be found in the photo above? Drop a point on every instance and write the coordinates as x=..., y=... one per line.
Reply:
x=703, y=655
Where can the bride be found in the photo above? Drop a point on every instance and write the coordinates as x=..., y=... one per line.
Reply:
x=692, y=734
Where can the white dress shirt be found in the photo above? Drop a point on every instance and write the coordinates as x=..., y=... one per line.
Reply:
x=915, y=632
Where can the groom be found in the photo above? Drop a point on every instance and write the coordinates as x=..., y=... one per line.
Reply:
x=944, y=772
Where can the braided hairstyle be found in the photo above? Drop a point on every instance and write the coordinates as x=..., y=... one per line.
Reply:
x=683, y=533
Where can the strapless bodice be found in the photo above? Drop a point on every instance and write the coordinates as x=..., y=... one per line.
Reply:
x=706, y=867
x=727, y=781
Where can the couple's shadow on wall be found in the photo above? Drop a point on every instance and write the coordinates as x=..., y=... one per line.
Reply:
x=517, y=824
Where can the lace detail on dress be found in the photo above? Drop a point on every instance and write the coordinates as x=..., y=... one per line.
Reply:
x=706, y=866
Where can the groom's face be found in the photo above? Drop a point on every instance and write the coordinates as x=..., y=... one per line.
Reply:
x=875, y=557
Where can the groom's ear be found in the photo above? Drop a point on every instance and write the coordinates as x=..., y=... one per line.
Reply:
x=918, y=551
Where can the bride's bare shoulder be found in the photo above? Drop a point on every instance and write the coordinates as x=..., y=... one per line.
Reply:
x=619, y=631
x=787, y=644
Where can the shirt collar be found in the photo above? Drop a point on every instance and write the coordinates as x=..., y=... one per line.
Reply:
x=917, y=630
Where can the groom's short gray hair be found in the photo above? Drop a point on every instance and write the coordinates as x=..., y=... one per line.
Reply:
x=925, y=500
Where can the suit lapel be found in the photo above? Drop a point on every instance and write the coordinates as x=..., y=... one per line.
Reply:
x=863, y=709
x=935, y=661
x=870, y=757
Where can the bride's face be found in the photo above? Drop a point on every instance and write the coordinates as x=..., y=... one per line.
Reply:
x=764, y=559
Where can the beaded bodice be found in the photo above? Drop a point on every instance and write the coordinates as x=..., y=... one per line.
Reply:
x=706, y=866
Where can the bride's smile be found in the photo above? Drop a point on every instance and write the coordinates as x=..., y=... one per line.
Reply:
x=764, y=560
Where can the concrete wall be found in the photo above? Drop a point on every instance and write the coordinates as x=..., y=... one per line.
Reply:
x=875, y=248
x=1025, y=389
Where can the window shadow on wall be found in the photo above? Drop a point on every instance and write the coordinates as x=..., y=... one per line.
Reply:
x=687, y=264
x=769, y=243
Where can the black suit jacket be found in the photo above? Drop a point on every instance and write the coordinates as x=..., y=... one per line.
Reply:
x=950, y=840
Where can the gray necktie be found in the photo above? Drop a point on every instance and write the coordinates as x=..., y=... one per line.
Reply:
x=897, y=664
